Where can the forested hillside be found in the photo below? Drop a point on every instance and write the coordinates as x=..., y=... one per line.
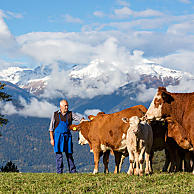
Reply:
x=25, y=141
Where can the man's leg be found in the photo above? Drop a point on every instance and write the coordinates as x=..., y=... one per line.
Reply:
x=59, y=162
x=70, y=161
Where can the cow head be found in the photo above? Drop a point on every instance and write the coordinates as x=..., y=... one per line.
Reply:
x=160, y=105
x=134, y=124
x=178, y=133
x=80, y=127
x=91, y=117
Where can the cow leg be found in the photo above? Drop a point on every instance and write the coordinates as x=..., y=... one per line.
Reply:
x=121, y=162
x=137, y=163
x=187, y=159
x=148, y=169
x=106, y=160
x=150, y=161
x=167, y=161
x=141, y=160
x=131, y=161
x=117, y=161
x=175, y=160
x=96, y=160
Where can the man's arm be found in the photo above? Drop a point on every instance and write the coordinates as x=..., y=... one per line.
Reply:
x=76, y=117
x=52, y=138
x=51, y=130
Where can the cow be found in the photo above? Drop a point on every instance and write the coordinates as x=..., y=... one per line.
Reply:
x=139, y=141
x=108, y=132
x=178, y=110
x=174, y=153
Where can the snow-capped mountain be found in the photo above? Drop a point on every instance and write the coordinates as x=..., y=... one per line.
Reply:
x=148, y=73
x=33, y=80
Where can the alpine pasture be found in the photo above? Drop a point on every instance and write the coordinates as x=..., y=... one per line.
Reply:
x=99, y=183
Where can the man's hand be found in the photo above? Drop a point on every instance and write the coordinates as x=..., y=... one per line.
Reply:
x=52, y=138
x=52, y=142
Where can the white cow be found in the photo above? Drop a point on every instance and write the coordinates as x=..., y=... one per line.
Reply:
x=139, y=141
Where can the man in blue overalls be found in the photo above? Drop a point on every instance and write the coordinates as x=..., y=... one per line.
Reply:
x=61, y=137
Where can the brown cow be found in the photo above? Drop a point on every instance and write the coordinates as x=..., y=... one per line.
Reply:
x=174, y=153
x=178, y=110
x=108, y=132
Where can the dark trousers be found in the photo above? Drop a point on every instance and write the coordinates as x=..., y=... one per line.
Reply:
x=70, y=161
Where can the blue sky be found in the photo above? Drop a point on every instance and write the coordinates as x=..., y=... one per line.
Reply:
x=110, y=37
x=37, y=32
x=52, y=16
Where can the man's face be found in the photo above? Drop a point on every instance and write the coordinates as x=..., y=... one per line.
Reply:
x=64, y=107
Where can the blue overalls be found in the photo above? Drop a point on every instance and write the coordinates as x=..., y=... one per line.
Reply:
x=63, y=143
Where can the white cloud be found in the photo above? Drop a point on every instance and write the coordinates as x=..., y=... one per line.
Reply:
x=148, y=13
x=181, y=60
x=145, y=94
x=125, y=12
x=8, y=44
x=185, y=86
x=70, y=19
x=14, y=15
x=35, y=108
x=92, y=112
x=51, y=47
x=103, y=76
x=123, y=3
x=182, y=28
x=99, y=14
x=185, y=1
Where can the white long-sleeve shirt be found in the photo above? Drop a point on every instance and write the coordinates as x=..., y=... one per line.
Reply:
x=75, y=117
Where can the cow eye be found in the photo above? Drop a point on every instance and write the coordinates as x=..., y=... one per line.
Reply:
x=157, y=102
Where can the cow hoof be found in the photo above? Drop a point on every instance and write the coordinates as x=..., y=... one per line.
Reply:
x=136, y=172
x=95, y=171
x=130, y=172
x=141, y=172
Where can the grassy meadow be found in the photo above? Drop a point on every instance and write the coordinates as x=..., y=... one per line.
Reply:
x=100, y=183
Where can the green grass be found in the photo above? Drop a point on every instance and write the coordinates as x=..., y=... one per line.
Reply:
x=100, y=183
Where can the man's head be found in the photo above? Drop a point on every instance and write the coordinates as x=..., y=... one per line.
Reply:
x=64, y=106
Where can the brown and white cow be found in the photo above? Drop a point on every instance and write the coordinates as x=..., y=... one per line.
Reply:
x=108, y=132
x=139, y=141
x=178, y=110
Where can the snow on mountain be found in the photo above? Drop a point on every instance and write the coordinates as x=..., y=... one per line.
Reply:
x=36, y=86
x=35, y=80
x=160, y=72
x=12, y=74
x=147, y=68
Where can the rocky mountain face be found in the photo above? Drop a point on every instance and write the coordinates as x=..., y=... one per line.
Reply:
x=35, y=80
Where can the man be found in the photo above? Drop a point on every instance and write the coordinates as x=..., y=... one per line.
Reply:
x=60, y=136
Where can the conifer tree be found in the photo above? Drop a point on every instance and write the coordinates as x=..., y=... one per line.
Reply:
x=3, y=97
x=9, y=167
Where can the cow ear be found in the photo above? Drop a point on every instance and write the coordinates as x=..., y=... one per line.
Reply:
x=91, y=117
x=73, y=127
x=101, y=113
x=125, y=120
x=167, y=97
